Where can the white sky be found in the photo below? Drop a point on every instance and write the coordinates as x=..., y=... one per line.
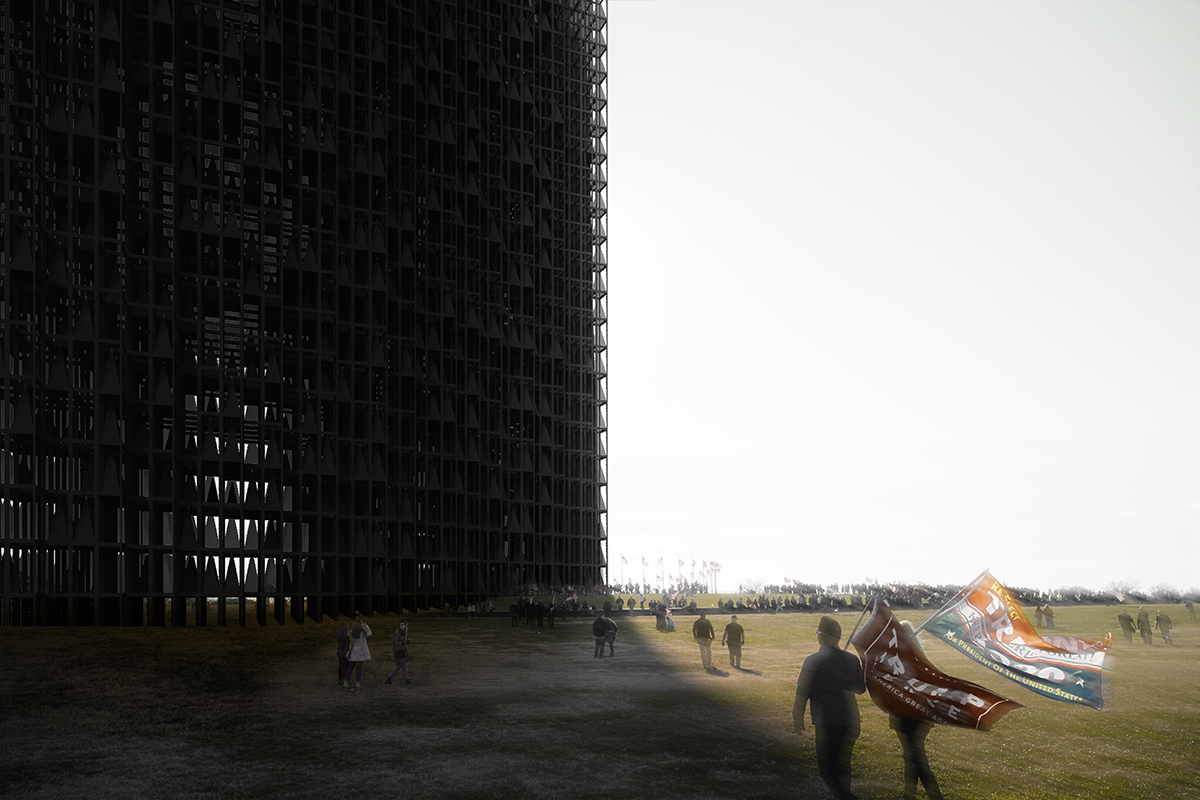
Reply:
x=905, y=290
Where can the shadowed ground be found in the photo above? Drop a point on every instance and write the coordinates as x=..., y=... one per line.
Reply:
x=502, y=712
x=494, y=712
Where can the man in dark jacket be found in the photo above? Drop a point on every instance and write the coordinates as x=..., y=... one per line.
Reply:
x=600, y=629
x=1126, y=626
x=829, y=679
x=1144, y=625
x=1163, y=624
x=733, y=638
x=703, y=633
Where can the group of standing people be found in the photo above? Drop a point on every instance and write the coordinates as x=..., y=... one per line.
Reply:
x=353, y=652
x=1044, y=615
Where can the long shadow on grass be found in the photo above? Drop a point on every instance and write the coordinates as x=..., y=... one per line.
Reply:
x=503, y=712
x=493, y=712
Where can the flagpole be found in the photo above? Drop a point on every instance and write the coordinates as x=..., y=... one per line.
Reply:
x=860, y=616
x=958, y=596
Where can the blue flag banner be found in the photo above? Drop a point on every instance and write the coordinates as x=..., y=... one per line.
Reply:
x=986, y=623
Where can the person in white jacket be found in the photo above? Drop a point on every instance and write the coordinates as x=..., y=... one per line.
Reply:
x=359, y=652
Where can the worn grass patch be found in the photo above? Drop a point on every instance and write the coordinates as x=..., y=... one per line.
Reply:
x=503, y=712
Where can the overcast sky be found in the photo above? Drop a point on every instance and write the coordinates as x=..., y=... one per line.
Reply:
x=905, y=290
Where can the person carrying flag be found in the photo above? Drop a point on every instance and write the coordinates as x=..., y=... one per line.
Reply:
x=912, y=733
x=917, y=695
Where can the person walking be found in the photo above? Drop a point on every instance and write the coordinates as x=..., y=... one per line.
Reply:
x=610, y=637
x=399, y=652
x=829, y=679
x=1143, y=623
x=1037, y=614
x=359, y=653
x=703, y=633
x=1126, y=625
x=912, y=733
x=733, y=637
x=343, y=647
x=1162, y=623
x=1049, y=612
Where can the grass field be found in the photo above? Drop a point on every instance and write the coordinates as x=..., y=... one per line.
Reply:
x=503, y=712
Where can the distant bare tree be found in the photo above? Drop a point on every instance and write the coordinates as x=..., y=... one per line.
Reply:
x=754, y=585
x=1166, y=592
x=1129, y=586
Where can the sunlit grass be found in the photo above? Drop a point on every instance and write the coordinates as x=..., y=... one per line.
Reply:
x=502, y=712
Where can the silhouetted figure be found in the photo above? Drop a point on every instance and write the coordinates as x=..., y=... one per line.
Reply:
x=1163, y=624
x=912, y=733
x=1126, y=626
x=343, y=647
x=733, y=637
x=400, y=652
x=1143, y=623
x=829, y=679
x=600, y=629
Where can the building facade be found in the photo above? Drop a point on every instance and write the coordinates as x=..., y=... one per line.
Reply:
x=303, y=306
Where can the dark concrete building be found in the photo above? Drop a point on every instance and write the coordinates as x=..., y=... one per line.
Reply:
x=302, y=306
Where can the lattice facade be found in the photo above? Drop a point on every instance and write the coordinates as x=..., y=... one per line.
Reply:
x=303, y=306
